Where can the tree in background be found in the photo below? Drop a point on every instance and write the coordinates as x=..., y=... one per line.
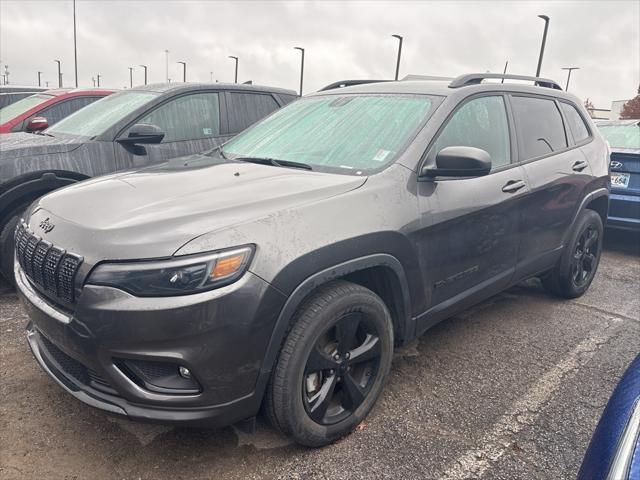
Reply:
x=588, y=104
x=631, y=109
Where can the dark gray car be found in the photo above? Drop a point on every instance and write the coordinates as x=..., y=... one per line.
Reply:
x=114, y=134
x=282, y=269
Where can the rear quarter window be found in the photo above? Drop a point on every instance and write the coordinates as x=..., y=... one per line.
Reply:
x=247, y=108
x=575, y=122
x=539, y=127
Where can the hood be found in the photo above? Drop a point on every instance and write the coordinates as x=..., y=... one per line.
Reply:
x=153, y=212
x=21, y=144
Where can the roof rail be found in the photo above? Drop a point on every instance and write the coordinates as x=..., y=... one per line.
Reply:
x=477, y=78
x=348, y=83
x=412, y=76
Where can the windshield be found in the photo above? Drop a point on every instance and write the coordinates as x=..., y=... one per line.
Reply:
x=344, y=133
x=621, y=136
x=94, y=119
x=18, y=108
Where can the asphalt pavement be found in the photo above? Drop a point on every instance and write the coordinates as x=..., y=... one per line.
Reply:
x=510, y=389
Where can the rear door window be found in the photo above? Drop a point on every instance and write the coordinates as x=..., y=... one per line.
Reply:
x=539, y=127
x=189, y=117
x=480, y=123
x=247, y=108
x=57, y=112
x=575, y=122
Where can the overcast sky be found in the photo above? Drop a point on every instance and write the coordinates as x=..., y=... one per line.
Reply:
x=342, y=40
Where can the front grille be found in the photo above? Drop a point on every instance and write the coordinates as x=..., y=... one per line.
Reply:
x=74, y=368
x=49, y=267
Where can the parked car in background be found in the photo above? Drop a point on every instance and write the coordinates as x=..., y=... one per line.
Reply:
x=614, y=450
x=41, y=110
x=281, y=269
x=12, y=93
x=624, y=139
x=132, y=128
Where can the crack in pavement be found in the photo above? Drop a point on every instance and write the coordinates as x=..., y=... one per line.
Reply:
x=474, y=462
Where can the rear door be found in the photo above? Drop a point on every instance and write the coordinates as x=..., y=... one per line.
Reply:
x=469, y=247
x=557, y=173
x=246, y=108
x=192, y=123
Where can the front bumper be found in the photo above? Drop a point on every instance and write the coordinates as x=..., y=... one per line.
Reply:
x=221, y=336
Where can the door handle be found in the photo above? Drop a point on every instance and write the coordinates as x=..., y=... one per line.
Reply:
x=513, y=186
x=580, y=165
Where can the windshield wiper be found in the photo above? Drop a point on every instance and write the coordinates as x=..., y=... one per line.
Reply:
x=275, y=162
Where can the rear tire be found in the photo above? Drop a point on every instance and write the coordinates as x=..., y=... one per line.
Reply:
x=7, y=243
x=332, y=366
x=577, y=266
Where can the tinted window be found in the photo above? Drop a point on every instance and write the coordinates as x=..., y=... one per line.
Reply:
x=576, y=124
x=287, y=98
x=480, y=123
x=21, y=106
x=539, y=125
x=187, y=118
x=247, y=108
x=103, y=114
x=57, y=112
x=338, y=133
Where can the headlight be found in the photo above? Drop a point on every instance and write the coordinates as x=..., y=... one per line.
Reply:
x=176, y=276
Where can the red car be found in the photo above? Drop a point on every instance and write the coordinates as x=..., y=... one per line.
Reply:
x=41, y=110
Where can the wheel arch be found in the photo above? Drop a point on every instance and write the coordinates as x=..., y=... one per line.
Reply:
x=31, y=185
x=597, y=200
x=382, y=273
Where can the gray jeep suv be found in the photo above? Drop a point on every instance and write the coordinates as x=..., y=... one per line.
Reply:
x=281, y=269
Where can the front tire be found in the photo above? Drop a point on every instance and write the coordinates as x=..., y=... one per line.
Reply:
x=332, y=366
x=577, y=266
x=7, y=232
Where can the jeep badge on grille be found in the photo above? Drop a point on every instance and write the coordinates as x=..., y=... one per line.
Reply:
x=46, y=225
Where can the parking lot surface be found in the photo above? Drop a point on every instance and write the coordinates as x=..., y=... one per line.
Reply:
x=512, y=388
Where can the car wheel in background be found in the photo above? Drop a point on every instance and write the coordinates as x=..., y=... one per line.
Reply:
x=332, y=366
x=7, y=243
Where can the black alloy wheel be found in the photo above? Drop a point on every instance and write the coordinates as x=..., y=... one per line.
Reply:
x=584, y=258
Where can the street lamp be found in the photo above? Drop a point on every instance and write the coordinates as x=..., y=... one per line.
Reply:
x=145, y=73
x=166, y=57
x=544, y=41
x=130, y=77
x=39, y=81
x=570, y=69
x=236, y=75
x=98, y=79
x=59, y=74
x=301, y=67
x=399, y=37
x=75, y=45
x=184, y=71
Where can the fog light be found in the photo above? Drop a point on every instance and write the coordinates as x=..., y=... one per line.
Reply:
x=184, y=372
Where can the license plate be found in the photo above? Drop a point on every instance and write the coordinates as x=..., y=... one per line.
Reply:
x=620, y=180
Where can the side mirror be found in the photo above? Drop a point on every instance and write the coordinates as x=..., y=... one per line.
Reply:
x=460, y=162
x=143, y=133
x=37, y=124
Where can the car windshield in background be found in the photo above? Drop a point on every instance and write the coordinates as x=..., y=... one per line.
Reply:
x=346, y=133
x=622, y=136
x=17, y=108
x=94, y=119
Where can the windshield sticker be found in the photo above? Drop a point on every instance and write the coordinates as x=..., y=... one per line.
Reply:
x=207, y=131
x=381, y=155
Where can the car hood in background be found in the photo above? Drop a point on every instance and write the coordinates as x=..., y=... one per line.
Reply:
x=21, y=144
x=152, y=212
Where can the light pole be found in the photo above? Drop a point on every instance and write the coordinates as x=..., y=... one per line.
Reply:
x=98, y=79
x=130, y=77
x=75, y=45
x=399, y=37
x=145, y=73
x=184, y=71
x=570, y=69
x=211, y=75
x=544, y=41
x=59, y=74
x=301, y=67
x=39, y=80
x=236, y=75
x=166, y=54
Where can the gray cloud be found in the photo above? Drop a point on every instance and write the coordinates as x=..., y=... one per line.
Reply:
x=342, y=40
